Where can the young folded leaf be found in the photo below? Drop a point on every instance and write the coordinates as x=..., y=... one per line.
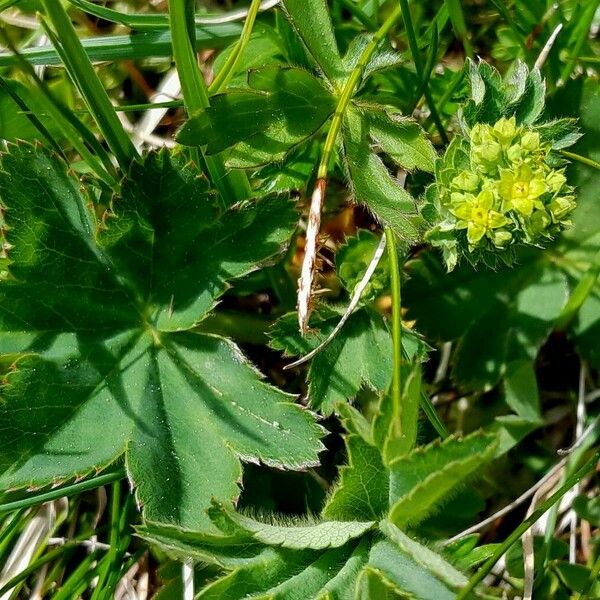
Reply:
x=96, y=322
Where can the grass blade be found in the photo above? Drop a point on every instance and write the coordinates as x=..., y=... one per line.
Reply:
x=90, y=87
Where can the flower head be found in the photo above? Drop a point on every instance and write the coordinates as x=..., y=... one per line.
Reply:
x=495, y=189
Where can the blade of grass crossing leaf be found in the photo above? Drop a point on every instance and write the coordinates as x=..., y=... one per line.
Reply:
x=357, y=12
x=81, y=71
x=229, y=68
x=152, y=22
x=73, y=129
x=33, y=499
x=139, y=22
x=314, y=219
x=232, y=185
x=519, y=30
x=526, y=524
x=149, y=44
x=32, y=117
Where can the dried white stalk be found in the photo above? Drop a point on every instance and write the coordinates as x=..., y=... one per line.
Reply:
x=541, y=59
x=356, y=295
x=307, y=274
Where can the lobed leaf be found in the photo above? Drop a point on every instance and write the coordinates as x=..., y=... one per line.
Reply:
x=333, y=375
x=423, y=479
x=102, y=350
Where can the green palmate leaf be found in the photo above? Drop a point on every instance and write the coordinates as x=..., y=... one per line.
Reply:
x=282, y=107
x=360, y=354
x=362, y=491
x=310, y=19
x=94, y=319
x=423, y=479
x=14, y=123
x=372, y=184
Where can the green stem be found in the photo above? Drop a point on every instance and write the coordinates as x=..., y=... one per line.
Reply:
x=396, y=319
x=109, y=559
x=348, y=91
x=84, y=76
x=229, y=68
x=579, y=295
x=582, y=159
x=232, y=185
x=414, y=50
x=61, y=492
x=526, y=524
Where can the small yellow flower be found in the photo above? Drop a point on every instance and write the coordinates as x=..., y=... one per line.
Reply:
x=561, y=206
x=466, y=180
x=530, y=141
x=556, y=180
x=505, y=131
x=476, y=214
x=521, y=188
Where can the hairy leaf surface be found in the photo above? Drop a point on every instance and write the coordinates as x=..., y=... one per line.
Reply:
x=95, y=319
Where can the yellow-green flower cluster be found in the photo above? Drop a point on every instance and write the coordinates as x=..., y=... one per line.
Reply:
x=506, y=192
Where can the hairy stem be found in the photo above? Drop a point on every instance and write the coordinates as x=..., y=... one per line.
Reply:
x=396, y=320
x=314, y=218
x=229, y=68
